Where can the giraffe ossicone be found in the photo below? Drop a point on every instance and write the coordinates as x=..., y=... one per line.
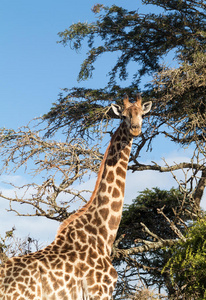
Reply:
x=77, y=265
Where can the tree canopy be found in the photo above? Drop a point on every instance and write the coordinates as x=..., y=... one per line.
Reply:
x=187, y=263
x=156, y=217
x=142, y=40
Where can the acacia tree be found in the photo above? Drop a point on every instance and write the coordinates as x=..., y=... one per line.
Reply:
x=178, y=94
x=145, y=237
x=179, y=112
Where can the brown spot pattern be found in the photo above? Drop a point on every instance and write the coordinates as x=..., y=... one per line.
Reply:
x=104, y=213
x=103, y=187
x=114, y=222
x=110, y=177
x=116, y=205
x=121, y=172
x=91, y=229
x=103, y=232
x=103, y=200
x=121, y=185
x=115, y=193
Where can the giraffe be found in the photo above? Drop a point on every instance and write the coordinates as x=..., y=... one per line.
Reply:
x=77, y=265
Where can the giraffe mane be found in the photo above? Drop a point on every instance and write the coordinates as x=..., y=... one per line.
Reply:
x=80, y=211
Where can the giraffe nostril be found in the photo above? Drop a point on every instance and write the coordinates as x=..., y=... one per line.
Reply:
x=135, y=126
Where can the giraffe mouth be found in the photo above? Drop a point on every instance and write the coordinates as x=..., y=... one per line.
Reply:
x=135, y=131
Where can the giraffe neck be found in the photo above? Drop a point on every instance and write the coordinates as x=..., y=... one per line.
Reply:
x=102, y=214
x=108, y=202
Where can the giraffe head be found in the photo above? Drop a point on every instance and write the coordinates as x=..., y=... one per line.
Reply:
x=132, y=113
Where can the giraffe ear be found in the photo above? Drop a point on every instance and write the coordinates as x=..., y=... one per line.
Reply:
x=116, y=109
x=146, y=107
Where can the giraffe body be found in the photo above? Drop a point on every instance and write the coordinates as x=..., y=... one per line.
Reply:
x=77, y=265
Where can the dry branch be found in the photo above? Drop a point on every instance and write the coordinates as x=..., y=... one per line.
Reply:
x=62, y=163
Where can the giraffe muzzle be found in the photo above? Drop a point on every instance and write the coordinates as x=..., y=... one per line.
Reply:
x=135, y=130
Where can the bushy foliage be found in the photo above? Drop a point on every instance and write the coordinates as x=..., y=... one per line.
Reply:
x=187, y=264
x=11, y=245
x=144, y=210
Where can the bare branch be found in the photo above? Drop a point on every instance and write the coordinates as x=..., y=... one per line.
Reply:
x=156, y=167
x=62, y=163
x=172, y=225
x=148, y=246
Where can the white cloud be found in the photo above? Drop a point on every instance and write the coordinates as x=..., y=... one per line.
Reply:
x=39, y=228
x=139, y=181
x=36, y=227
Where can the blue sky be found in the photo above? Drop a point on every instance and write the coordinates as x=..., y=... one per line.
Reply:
x=34, y=68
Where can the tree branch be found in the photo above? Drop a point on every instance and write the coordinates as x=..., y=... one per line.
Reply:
x=148, y=246
x=156, y=167
x=65, y=162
